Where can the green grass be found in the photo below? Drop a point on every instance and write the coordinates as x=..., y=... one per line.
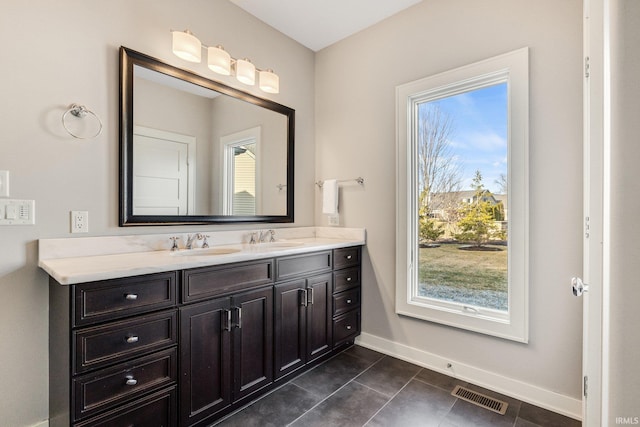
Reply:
x=472, y=270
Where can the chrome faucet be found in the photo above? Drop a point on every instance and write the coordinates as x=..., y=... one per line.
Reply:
x=192, y=237
x=264, y=234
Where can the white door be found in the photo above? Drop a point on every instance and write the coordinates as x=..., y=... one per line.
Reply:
x=595, y=215
x=162, y=172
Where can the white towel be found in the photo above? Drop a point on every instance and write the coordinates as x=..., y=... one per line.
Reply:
x=330, y=196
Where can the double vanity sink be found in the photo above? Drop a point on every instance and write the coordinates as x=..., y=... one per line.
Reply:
x=86, y=259
x=233, y=249
x=143, y=335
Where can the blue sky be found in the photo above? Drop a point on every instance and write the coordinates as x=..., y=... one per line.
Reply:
x=479, y=138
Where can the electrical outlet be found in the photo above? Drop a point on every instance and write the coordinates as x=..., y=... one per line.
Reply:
x=4, y=183
x=334, y=220
x=79, y=221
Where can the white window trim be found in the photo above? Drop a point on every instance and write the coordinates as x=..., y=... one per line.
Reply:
x=512, y=67
x=227, y=142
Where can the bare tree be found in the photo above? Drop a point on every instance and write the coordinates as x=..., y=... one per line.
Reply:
x=502, y=184
x=440, y=174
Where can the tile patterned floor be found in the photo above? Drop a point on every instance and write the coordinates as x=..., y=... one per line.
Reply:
x=361, y=387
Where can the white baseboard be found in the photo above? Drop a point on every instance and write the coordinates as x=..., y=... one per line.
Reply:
x=532, y=394
x=44, y=423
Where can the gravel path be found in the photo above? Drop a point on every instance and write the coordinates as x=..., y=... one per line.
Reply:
x=489, y=299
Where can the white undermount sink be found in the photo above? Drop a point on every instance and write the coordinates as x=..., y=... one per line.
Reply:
x=206, y=252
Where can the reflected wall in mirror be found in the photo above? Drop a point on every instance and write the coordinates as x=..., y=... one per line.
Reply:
x=193, y=150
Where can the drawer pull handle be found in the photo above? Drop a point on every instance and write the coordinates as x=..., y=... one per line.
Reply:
x=132, y=339
x=348, y=301
x=348, y=327
x=131, y=297
x=130, y=380
x=348, y=279
x=349, y=256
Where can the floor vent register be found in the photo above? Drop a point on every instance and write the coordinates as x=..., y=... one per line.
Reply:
x=479, y=399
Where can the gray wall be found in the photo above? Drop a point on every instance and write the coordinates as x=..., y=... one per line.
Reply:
x=58, y=53
x=624, y=395
x=355, y=123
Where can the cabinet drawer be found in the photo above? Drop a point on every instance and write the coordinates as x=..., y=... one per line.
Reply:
x=109, y=387
x=293, y=266
x=114, y=299
x=345, y=279
x=156, y=410
x=345, y=301
x=346, y=327
x=203, y=283
x=102, y=345
x=346, y=257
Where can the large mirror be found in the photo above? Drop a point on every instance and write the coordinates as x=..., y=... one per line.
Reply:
x=193, y=150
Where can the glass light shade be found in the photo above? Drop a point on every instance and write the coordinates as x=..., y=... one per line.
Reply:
x=187, y=46
x=245, y=71
x=219, y=60
x=269, y=81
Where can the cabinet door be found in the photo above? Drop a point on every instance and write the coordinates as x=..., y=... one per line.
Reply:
x=319, y=316
x=290, y=326
x=205, y=360
x=252, y=340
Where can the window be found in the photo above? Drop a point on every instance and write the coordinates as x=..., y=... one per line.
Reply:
x=240, y=172
x=462, y=220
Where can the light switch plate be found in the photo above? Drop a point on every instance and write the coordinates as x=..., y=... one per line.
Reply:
x=17, y=212
x=4, y=183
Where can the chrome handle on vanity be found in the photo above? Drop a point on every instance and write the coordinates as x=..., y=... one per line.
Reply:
x=132, y=339
x=131, y=297
x=228, y=316
x=239, y=322
x=305, y=296
x=131, y=381
x=310, y=297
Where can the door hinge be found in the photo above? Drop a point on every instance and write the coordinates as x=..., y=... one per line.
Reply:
x=586, y=67
x=586, y=227
x=585, y=385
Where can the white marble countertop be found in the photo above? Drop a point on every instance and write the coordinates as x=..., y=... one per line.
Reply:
x=78, y=260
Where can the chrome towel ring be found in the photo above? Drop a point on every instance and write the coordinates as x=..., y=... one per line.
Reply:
x=80, y=111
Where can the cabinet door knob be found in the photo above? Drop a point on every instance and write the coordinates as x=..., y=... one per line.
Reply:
x=131, y=380
x=348, y=301
x=349, y=327
x=131, y=297
x=349, y=256
x=132, y=339
x=348, y=279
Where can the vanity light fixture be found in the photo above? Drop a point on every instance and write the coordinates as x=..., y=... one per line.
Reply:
x=245, y=71
x=188, y=47
x=219, y=60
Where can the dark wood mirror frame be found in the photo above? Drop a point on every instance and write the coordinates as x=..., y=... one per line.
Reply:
x=130, y=58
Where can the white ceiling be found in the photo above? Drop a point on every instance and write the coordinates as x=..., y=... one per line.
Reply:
x=318, y=23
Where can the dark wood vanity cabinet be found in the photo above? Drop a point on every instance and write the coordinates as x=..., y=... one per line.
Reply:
x=113, y=351
x=226, y=352
x=185, y=348
x=346, y=294
x=303, y=322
